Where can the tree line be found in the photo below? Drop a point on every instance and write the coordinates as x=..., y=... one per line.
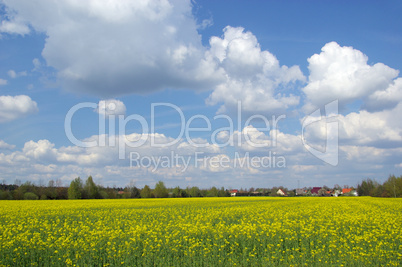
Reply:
x=88, y=189
x=392, y=187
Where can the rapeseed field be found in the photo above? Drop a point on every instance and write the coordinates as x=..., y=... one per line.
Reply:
x=248, y=231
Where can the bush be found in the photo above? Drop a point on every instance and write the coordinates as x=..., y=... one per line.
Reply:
x=30, y=196
x=5, y=195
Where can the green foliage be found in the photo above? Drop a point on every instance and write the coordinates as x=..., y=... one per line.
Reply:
x=75, y=189
x=393, y=186
x=367, y=187
x=178, y=192
x=5, y=195
x=160, y=190
x=213, y=192
x=194, y=191
x=91, y=189
x=131, y=192
x=223, y=193
x=146, y=192
x=103, y=194
x=30, y=196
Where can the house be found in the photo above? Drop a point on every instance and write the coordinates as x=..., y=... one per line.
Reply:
x=349, y=191
x=234, y=192
x=281, y=192
x=337, y=192
x=346, y=190
x=315, y=190
x=300, y=192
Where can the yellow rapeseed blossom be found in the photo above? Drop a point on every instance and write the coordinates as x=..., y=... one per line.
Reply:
x=249, y=231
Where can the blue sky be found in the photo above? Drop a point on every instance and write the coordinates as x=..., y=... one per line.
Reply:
x=181, y=65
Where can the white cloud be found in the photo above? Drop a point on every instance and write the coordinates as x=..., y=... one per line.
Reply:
x=13, y=107
x=215, y=166
x=253, y=76
x=205, y=24
x=343, y=73
x=14, y=27
x=112, y=48
x=4, y=145
x=377, y=129
x=12, y=74
x=3, y=82
x=385, y=99
x=40, y=151
x=111, y=107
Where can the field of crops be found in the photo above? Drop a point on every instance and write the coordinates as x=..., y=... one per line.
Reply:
x=202, y=232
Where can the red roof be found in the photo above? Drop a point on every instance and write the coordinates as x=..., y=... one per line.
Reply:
x=315, y=190
x=234, y=191
x=346, y=190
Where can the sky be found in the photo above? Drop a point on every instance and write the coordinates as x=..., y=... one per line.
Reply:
x=236, y=93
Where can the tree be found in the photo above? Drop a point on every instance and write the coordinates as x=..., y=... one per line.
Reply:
x=367, y=187
x=160, y=190
x=75, y=189
x=24, y=188
x=322, y=192
x=178, y=192
x=146, y=192
x=91, y=189
x=393, y=186
x=213, y=192
x=5, y=195
x=223, y=192
x=131, y=191
x=194, y=191
x=30, y=196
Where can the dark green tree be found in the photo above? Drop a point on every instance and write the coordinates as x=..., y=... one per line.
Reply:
x=178, y=192
x=91, y=189
x=367, y=187
x=75, y=189
x=223, y=193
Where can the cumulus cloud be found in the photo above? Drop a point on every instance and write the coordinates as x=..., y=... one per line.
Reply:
x=181, y=162
x=385, y=99
x=112, y=48
x=261, y=141
x=342, y=73
x=14, y=107
x=4, y=145
x=3, y=82
x=253, y=76
x=111, y=107
x=377, y=129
